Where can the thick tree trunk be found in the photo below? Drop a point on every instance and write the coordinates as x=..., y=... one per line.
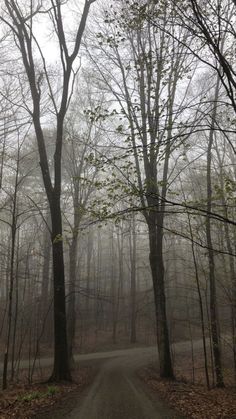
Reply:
x=61, y=370
x=158, y=275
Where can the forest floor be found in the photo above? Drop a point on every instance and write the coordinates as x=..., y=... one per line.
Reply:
x=117, y=392
x=24, y=401
x=123, y=384
x=192, y=401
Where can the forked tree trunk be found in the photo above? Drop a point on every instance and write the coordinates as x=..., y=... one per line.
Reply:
x=24, y=37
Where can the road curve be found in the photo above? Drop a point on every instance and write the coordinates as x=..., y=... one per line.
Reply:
x=117, y=392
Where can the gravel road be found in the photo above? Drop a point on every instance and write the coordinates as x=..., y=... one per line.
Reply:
x=117, y=393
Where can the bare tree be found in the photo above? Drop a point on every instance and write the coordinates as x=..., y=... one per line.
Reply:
x=133, y=274
x=212, y=279
x=143, y=79
x=78, y=144
x=20, y=20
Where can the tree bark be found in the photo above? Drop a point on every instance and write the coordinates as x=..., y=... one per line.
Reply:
x=71, y=311
x=158, y=277
x=133, y=336
x=211, y=261
x=24, y=37
x=61, y=369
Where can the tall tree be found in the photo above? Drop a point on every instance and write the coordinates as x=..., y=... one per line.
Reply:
x=143, y=78
x=209, y=24
x=133, y=274
x=79, y=140
x=212, y=279
x=21, y=20
x=13, y=236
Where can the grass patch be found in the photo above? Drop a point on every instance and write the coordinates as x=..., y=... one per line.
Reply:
x=51, y=391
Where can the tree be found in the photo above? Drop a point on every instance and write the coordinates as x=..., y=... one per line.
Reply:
x=13, y=235
x=20, y=19
x=143, y=79
x=133, y=263
x=208, y=24
x=80, y=139
x=212, y=280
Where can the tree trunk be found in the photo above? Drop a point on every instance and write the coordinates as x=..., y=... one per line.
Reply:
x=61, y=370
x=88, y=274
x=158, y=274
x=45, y=298
x=10, y=303
x=133, y=336
x=231, y=258
x=14, y=218
x=211, y=262
x=16, y=303
x=71, y=311
x=203, y=328
x=23, y=38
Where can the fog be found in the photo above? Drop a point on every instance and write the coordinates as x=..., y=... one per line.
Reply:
x=117, y=187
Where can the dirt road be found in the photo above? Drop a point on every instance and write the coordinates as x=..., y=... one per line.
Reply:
x=117, y=393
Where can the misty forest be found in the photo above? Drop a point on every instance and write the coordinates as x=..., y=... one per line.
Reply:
x=118, y=209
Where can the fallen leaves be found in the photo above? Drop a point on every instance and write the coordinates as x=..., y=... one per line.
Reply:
x=193, y=401
x=24, y=401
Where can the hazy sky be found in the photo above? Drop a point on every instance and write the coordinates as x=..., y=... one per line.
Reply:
x=45, y=32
